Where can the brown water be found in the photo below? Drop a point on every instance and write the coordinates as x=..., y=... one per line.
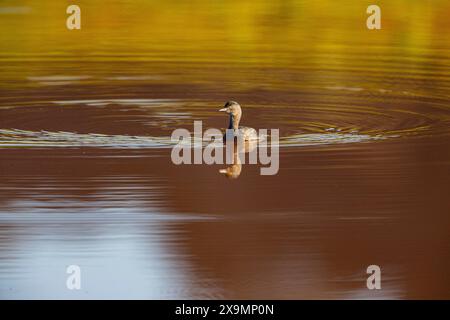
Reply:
x=87, y=178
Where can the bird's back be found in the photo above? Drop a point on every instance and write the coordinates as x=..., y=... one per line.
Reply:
x=248, y=133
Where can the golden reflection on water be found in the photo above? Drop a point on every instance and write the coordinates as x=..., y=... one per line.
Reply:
x=86, y=175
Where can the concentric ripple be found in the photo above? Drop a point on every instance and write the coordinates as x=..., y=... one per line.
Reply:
x=309, y=124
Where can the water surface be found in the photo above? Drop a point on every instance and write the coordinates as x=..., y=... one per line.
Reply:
x=86, y=175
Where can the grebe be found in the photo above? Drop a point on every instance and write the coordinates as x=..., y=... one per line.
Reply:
x=234, y=109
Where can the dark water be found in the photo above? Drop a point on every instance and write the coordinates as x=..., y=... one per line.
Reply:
x=87, y=178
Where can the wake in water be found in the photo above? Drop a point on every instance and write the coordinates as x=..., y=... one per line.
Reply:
x=23, y=138
x=312, y=139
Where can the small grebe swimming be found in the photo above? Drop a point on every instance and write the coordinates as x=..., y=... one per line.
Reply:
x=234, y=109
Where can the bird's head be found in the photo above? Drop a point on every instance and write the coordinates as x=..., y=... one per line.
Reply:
x=232, y=108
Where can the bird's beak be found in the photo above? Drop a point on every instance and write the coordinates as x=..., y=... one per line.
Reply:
x=223, y=109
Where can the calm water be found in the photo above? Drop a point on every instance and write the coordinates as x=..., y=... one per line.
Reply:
x=87, y=179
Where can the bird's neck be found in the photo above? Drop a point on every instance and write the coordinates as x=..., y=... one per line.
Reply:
x=234, y=122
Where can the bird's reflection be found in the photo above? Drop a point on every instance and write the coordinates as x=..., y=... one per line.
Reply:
x=238, y=153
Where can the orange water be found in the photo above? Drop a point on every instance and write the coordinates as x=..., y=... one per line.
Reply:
x=364, y=160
